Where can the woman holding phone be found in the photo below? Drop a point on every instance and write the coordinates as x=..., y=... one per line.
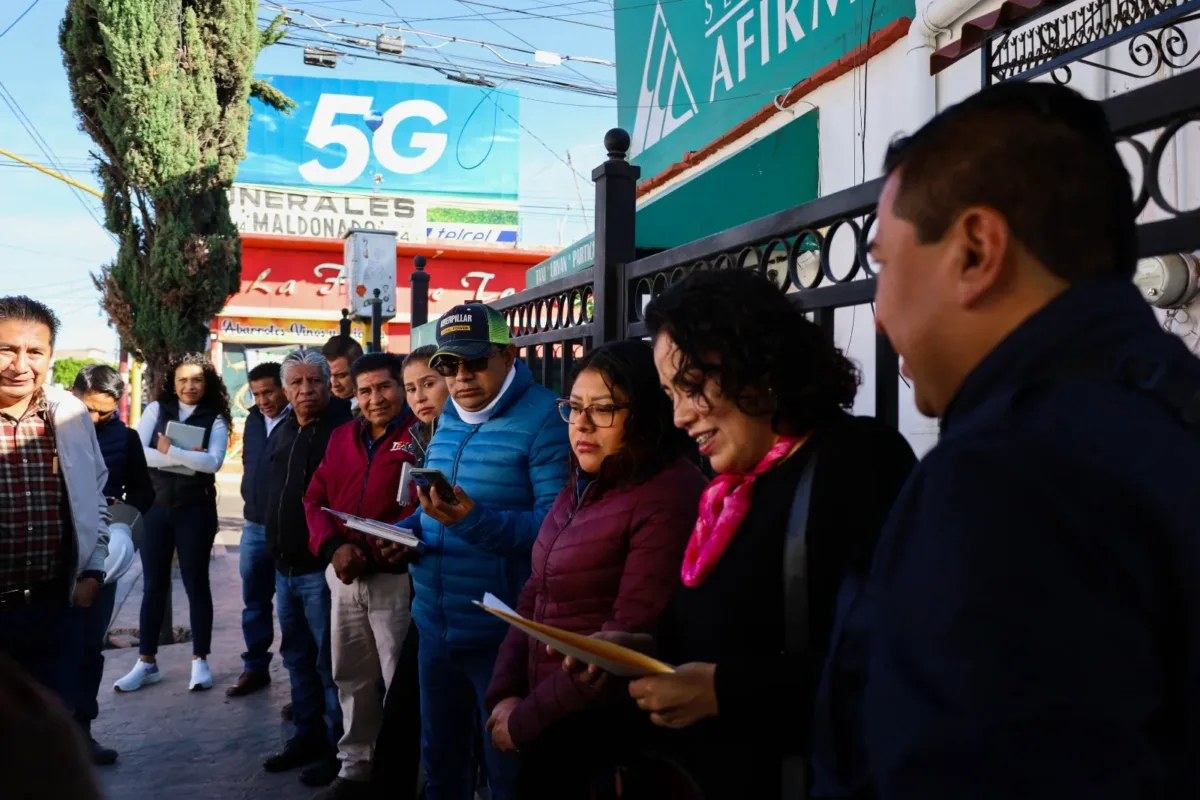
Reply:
x=606, y=559
x=184, y=515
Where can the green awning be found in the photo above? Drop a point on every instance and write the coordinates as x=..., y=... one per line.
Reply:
x=779, y=171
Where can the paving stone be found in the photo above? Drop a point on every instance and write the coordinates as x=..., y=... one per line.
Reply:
x=194, y=745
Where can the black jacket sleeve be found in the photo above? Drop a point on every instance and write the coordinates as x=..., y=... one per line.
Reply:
x=139, y=492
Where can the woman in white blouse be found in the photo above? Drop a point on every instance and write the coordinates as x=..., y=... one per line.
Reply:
x=184, y=433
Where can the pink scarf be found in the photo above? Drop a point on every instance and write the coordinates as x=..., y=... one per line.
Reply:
x=723, y=505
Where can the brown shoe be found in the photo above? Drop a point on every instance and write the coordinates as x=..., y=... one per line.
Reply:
x=248, y=682
x=286, y=712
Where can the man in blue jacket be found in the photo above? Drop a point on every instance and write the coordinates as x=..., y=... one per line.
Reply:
x=502, y=445
x=1030, y=626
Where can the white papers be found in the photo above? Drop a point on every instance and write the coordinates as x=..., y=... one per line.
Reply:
x=612, y=658
x=380, y=530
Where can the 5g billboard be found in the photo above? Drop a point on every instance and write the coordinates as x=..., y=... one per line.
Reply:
x=443, y=139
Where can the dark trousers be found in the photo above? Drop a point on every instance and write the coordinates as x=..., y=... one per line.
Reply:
x=190, y=529
x=258, y=588
x=304, y=604
x=453, y=683
x=94, y=621
x=398, y=747
x=45, y=640
x=577, y=757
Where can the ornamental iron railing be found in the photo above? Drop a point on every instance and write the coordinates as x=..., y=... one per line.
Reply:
x=816, y=252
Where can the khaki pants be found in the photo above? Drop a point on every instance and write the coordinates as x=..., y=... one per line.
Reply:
x=370, y=620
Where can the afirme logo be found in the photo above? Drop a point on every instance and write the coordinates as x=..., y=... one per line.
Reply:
x=655, y=118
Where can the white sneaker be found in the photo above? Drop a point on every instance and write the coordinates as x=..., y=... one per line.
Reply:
x=201, y=677
x=142, y=674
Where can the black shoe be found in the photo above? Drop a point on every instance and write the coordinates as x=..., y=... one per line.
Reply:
x=296, y=753
x=342, y=789
x=286, y=712
x=101, y=756
x=323, y=772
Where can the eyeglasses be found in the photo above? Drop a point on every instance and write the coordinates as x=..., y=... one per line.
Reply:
x=447, y=366
x=600, y=416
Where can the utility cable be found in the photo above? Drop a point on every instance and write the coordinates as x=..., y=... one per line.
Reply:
x=20, y=17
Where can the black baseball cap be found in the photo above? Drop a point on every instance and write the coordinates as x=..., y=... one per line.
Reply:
x=470, y=331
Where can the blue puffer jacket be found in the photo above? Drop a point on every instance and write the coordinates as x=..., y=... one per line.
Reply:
x=513, y=467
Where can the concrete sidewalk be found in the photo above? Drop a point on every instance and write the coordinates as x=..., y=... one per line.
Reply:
x=194, y=745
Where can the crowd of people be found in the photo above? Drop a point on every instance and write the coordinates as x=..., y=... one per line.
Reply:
x=1016, y=615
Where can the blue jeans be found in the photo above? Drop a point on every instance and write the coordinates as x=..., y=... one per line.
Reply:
x=95, y=620
x=258, y=588
x=453, y=683
x=304, y=606
x=46, y=641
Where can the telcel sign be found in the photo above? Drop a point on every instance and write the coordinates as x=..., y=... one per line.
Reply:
x=688, y=73
x=395, y=137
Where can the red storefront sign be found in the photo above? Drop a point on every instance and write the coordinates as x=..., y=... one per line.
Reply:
x=289, y=280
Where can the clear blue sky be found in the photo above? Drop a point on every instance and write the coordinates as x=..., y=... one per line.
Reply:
x=50, y=243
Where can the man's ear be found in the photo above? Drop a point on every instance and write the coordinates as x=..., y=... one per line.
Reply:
x=510, y=355
x=983, y=242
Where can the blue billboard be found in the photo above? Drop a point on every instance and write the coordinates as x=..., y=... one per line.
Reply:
x=396, y=137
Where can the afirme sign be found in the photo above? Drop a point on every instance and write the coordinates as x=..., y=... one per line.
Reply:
x=304, y=212
x=689, y=72
x=573, y=259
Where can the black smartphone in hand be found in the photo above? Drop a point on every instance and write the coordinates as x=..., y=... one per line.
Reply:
x=435, y=480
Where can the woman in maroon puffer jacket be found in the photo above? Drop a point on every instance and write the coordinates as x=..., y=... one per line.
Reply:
x=606, y=559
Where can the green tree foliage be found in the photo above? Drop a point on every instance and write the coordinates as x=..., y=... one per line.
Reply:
x=162, y=87
x=64, y=370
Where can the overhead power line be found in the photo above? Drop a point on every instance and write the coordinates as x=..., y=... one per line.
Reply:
x=20, y=17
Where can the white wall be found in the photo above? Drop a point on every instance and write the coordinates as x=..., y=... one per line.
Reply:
x=851, y=152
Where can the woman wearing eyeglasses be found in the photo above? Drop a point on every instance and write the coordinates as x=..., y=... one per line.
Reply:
x=606, y=559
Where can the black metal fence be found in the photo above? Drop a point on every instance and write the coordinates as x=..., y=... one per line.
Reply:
x=817, y=252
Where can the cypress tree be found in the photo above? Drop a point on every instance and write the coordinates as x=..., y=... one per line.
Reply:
x=162, y=87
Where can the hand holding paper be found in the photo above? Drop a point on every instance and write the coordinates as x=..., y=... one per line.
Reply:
x=608, y=656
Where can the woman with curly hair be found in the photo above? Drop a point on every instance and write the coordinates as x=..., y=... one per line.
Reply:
x=184, y=515
x=802, y=489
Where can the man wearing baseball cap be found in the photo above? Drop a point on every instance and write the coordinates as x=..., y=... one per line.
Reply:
x=502, y=445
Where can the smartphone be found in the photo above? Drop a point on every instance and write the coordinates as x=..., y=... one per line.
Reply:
x=427, y=478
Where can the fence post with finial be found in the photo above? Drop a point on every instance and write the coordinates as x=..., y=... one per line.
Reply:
x=616, y=205
x=344, y=325
x=419, y=281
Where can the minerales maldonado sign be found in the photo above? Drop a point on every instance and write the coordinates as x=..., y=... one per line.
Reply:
x=689, y=71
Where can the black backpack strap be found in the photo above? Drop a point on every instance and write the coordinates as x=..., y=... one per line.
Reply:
x=795, y=564
x=794, y=778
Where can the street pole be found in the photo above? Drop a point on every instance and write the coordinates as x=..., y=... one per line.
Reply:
x=376, y=322
x=419, y=297
x=344, y=325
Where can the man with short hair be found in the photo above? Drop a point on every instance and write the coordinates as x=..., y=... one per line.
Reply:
x=293, y=456
x=1031, y=614
x=341, y=352
x=502, y=444
x=254, y=560
x=360, y=475
x=53, y=512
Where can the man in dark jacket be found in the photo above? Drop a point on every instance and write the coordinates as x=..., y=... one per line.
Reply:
x=1030, y=627
x=294, y=453
x=258, y=571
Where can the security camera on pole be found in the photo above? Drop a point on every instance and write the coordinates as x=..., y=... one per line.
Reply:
x=370, y=259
